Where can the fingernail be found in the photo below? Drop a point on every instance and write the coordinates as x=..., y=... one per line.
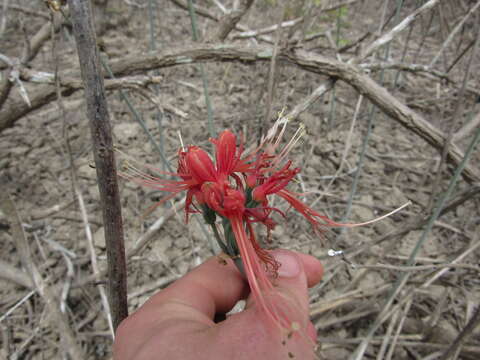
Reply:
x=289, y=265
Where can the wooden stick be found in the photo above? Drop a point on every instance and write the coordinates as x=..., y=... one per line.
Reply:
x=97, y=112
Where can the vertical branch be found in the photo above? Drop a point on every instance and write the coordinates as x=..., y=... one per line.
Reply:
x=230, y=20
x=98, y=116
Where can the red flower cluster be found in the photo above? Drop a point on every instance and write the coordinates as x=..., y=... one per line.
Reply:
x=236, y=189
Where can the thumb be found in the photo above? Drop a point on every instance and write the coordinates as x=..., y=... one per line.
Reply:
x=291, y=282
x=290, y=298
x=296, y=273
x=290, y=291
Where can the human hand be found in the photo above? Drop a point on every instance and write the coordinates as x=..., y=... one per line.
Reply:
x=177, y=322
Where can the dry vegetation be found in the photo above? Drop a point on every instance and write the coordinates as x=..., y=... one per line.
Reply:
x=398, y=112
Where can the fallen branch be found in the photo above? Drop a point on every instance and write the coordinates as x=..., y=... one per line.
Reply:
x=14, y=109
x=308, y=61
x=305, y=60
x=31, y=12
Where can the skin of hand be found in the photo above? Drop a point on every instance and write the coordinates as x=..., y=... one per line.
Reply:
x=177, y=322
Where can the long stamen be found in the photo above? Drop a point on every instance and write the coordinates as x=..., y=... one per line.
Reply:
x=380, y=217
x=181, y=140
x=293, y=141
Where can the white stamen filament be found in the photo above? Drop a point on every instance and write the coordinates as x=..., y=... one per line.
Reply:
x=181, y=140
x=381, y=217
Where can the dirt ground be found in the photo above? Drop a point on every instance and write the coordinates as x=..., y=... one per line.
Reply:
x=434, y=305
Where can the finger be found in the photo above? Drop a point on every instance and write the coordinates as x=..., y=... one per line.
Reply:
x=289, y=296
x=289, y=300
x=297, y=271
x=313, y=269
x=188, y=304
x=292, y=280
x=212, y=287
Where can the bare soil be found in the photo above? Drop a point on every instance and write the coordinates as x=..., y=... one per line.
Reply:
x=398, y=167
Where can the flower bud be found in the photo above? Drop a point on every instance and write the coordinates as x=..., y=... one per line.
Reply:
x=200, y=165
x=226, y=145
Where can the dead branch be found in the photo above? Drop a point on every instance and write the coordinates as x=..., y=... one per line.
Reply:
x=310, y=99
x=267, y=30
x=463, y=336
x=28, y=54
x=14, y=109
x=307, y=61
x=230, y=20
x=93, y=256
x=453, y=33
x=42, y=77
x=97, y=112
x=31, y=12
x=413, y=68
x=386, y=38
x=198, y=9
x=39, y=39
x=472, y=351
x=207, y=14
x=419, y=267
x=141, y=242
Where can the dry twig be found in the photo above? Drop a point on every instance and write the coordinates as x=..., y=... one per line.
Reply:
x=97, y=111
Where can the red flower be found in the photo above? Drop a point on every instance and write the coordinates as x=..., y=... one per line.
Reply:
x=227, y=154
x=274, y=183
x=237, y=190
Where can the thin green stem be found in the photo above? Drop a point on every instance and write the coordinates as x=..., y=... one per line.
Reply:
x=219, y=239
x=153, y=46
x=138, y=117
x=208, y=103
x=361, y=159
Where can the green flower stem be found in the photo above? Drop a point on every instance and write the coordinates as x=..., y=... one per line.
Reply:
x=229, y=245
x=230, y=240
x=219, y=238
x=208, y=102
x=239, y=264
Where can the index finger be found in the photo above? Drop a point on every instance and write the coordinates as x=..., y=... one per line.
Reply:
x=210, y=288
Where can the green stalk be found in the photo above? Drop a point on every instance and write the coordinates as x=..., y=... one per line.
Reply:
x=153, y=47
x=137, y=117
x=208, y=103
